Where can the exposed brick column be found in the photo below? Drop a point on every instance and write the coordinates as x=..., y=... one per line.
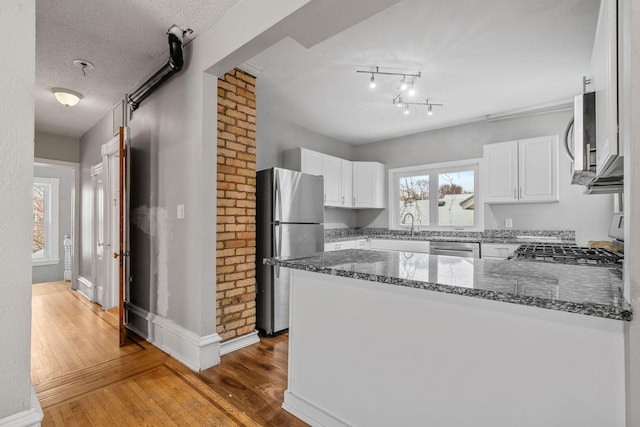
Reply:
x=236, y=208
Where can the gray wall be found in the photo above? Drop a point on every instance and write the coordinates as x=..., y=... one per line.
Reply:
x=274, y=135
x=90, y=143
x=51, y=273
x=56, y=147
x=588, y=215
x=173, y=161
x=17, y=75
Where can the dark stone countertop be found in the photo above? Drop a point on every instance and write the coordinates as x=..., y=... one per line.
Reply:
x=488, y=236
x=587, y=290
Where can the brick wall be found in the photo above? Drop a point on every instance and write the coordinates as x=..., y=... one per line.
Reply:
x=236, y=213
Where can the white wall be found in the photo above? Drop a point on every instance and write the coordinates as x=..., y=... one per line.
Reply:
x=274, y=135
x=17, y=76
x=56, y=147
x=588, y=215
x=173, y=137
x=51, y=273
x=630, y=127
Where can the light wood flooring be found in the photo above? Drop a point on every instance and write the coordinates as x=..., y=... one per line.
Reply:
x=83, y=378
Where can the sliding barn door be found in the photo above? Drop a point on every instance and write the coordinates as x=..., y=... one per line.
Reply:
x=123, y=253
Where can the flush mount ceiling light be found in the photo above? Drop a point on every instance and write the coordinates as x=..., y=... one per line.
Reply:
x=66, y=97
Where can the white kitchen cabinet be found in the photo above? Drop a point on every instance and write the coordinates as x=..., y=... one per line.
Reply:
x=334, y=170
x=346, y=184
x=362, y=244
x=524, y=171
x=400, y=245
x=604, y=81
x=497, y=250
x=332, y=173
x=337, y=246
x=346, y=244
x=368, y=185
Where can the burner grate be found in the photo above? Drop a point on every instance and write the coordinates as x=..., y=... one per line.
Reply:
x=563, y=254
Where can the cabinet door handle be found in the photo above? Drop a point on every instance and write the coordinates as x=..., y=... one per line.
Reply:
x=343, y=200
x=520, y=193
x=354, y=201
x=325, y=197
x=514, y=193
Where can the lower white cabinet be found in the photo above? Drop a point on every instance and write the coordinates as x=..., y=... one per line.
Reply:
x=346, y=244
x=400, y=245
x=497, y=250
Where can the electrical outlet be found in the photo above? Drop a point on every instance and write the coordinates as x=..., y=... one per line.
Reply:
x=180, y=212
x=508, y=223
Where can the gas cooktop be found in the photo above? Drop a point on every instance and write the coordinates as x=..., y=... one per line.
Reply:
x=563, y=254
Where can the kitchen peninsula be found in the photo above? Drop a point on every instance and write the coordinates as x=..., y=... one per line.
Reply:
x=394, y=338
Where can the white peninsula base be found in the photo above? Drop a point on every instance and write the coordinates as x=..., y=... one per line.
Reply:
x=369, y=354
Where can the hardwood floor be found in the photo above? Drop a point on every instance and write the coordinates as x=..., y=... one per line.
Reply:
x=83, y=378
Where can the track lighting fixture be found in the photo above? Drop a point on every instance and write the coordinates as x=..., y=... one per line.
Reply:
x=404, y=83
x=412, y=90
x=407, y=86
x=400, y=103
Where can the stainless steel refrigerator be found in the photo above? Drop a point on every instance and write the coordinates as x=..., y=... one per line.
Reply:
x=289, y=217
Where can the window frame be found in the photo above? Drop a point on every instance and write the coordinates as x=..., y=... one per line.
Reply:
x=433, y=171
x=50, y=253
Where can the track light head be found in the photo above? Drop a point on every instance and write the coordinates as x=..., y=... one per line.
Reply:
x=429, y=111
x=412, y=90
x=372, y=82
x=406, y=108
x=399, y=102
x=403, y=83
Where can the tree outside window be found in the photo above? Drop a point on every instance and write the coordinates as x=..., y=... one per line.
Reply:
x=437, y=195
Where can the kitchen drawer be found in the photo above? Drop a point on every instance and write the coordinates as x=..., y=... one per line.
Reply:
x=336, y=246
x=362, y=244
x=400, y=245
x=497, y=250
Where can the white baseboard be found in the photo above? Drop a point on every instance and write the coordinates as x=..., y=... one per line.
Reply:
x=196, y=352
x=238, y=343
x=310, y=413
x=85, y=287
x=31, y=417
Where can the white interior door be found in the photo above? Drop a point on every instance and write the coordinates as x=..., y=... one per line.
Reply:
x=99, y=230
x=111, y=221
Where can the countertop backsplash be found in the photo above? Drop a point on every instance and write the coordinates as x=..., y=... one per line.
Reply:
x=487, y=236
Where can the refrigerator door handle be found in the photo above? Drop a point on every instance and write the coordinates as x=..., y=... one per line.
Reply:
x=278, y=248
x=278, y=198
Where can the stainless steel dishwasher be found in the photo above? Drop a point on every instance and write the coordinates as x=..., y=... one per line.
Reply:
x=461, y=249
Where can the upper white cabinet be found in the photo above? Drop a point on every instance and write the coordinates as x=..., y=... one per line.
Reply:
x=368, y=185
x=346, y=184
x=524, y=171
x=332, y=173
x=346, y=168
x=604, y=66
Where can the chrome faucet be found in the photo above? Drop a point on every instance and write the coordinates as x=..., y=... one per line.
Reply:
x=412, y=220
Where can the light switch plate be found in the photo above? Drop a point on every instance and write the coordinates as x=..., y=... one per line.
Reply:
x=180, y=212
x=508, y=223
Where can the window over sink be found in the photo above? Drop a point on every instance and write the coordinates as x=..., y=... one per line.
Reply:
x=437, y=196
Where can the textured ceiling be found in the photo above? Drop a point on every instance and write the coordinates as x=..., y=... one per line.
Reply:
x=476, y=57
x=124, y=39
